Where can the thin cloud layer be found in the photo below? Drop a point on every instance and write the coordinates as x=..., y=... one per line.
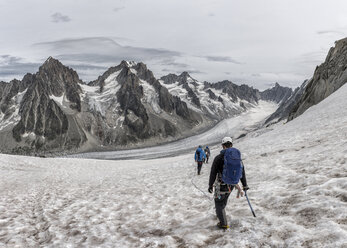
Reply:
x=58, y=17
x=14, y=67
x=222, y=59
x=330, y=32
x=117, y=9
x=101, y=50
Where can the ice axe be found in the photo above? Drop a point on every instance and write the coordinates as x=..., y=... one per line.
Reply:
x=250, y=206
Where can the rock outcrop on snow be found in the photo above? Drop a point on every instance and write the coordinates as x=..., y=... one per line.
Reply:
x=327, y=78
x=54, y=111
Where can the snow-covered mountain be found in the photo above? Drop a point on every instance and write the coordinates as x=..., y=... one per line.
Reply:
x=222, y=99
x=296, y=173
x=54, y=111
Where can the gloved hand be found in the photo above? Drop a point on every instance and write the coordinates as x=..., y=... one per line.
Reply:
x=210, y=189
x=245, y=188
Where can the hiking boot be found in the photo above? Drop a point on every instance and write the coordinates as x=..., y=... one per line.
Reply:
x=224, y=227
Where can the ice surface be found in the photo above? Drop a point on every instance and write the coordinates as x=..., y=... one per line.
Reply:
x=150, y=96
x=230, y=127
x=101, y=102
x=297, y=175
x=58, y=99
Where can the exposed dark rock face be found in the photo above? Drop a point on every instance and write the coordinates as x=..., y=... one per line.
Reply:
x=7, y=92
x=41, y=116
x=243, y=92
x=287, y=105
x=211, y=94
x=327, y=78
x=276, y=94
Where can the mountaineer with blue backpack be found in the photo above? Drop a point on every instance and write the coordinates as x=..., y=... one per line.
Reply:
x=226, y=172
x=199, y=157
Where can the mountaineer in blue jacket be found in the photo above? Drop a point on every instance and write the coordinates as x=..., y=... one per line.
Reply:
x=199, y=157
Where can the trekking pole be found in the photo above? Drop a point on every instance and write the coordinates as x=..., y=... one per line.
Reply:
x=249, y=204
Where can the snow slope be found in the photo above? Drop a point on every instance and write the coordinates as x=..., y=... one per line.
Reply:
x=101, y=102
x=297, y=174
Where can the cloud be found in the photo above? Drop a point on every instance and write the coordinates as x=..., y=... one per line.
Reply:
x=15, y=67
x=101, y=50
x=91, y=56
x=195, y=72
x=87, y=67
x=58, y=17
x=312, y=58
x=172, y=62
x=190, y=71
x=322, y=32
x=118, y=9
x=222, y=59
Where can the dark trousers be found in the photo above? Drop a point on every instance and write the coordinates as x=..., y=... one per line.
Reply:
x=199, y=166
x=220, y=208
x=207, y=159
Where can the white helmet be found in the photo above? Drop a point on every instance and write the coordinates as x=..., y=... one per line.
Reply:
x=227, y=140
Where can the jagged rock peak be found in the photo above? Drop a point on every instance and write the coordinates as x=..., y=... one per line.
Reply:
x=327, y=78
x=185, y=74
x=340, y=43
x=51, y=62
x=128, y=64
x=340, y=46
x=276, y=94
x=183, y=78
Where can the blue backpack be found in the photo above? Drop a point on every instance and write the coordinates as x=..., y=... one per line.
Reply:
x=232, y=170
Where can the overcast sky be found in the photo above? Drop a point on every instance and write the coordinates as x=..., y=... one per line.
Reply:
x=257, y=42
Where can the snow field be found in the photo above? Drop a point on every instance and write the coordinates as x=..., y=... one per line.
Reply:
x=60, y=202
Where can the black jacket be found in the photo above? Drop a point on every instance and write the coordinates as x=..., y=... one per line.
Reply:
x=217, y=167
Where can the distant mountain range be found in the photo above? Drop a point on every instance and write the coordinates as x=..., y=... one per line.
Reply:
x=126, y=107
x=54, y=111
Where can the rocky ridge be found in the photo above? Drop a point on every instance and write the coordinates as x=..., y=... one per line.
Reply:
x=222, y=99
x=54, y=111
x=327, y=78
